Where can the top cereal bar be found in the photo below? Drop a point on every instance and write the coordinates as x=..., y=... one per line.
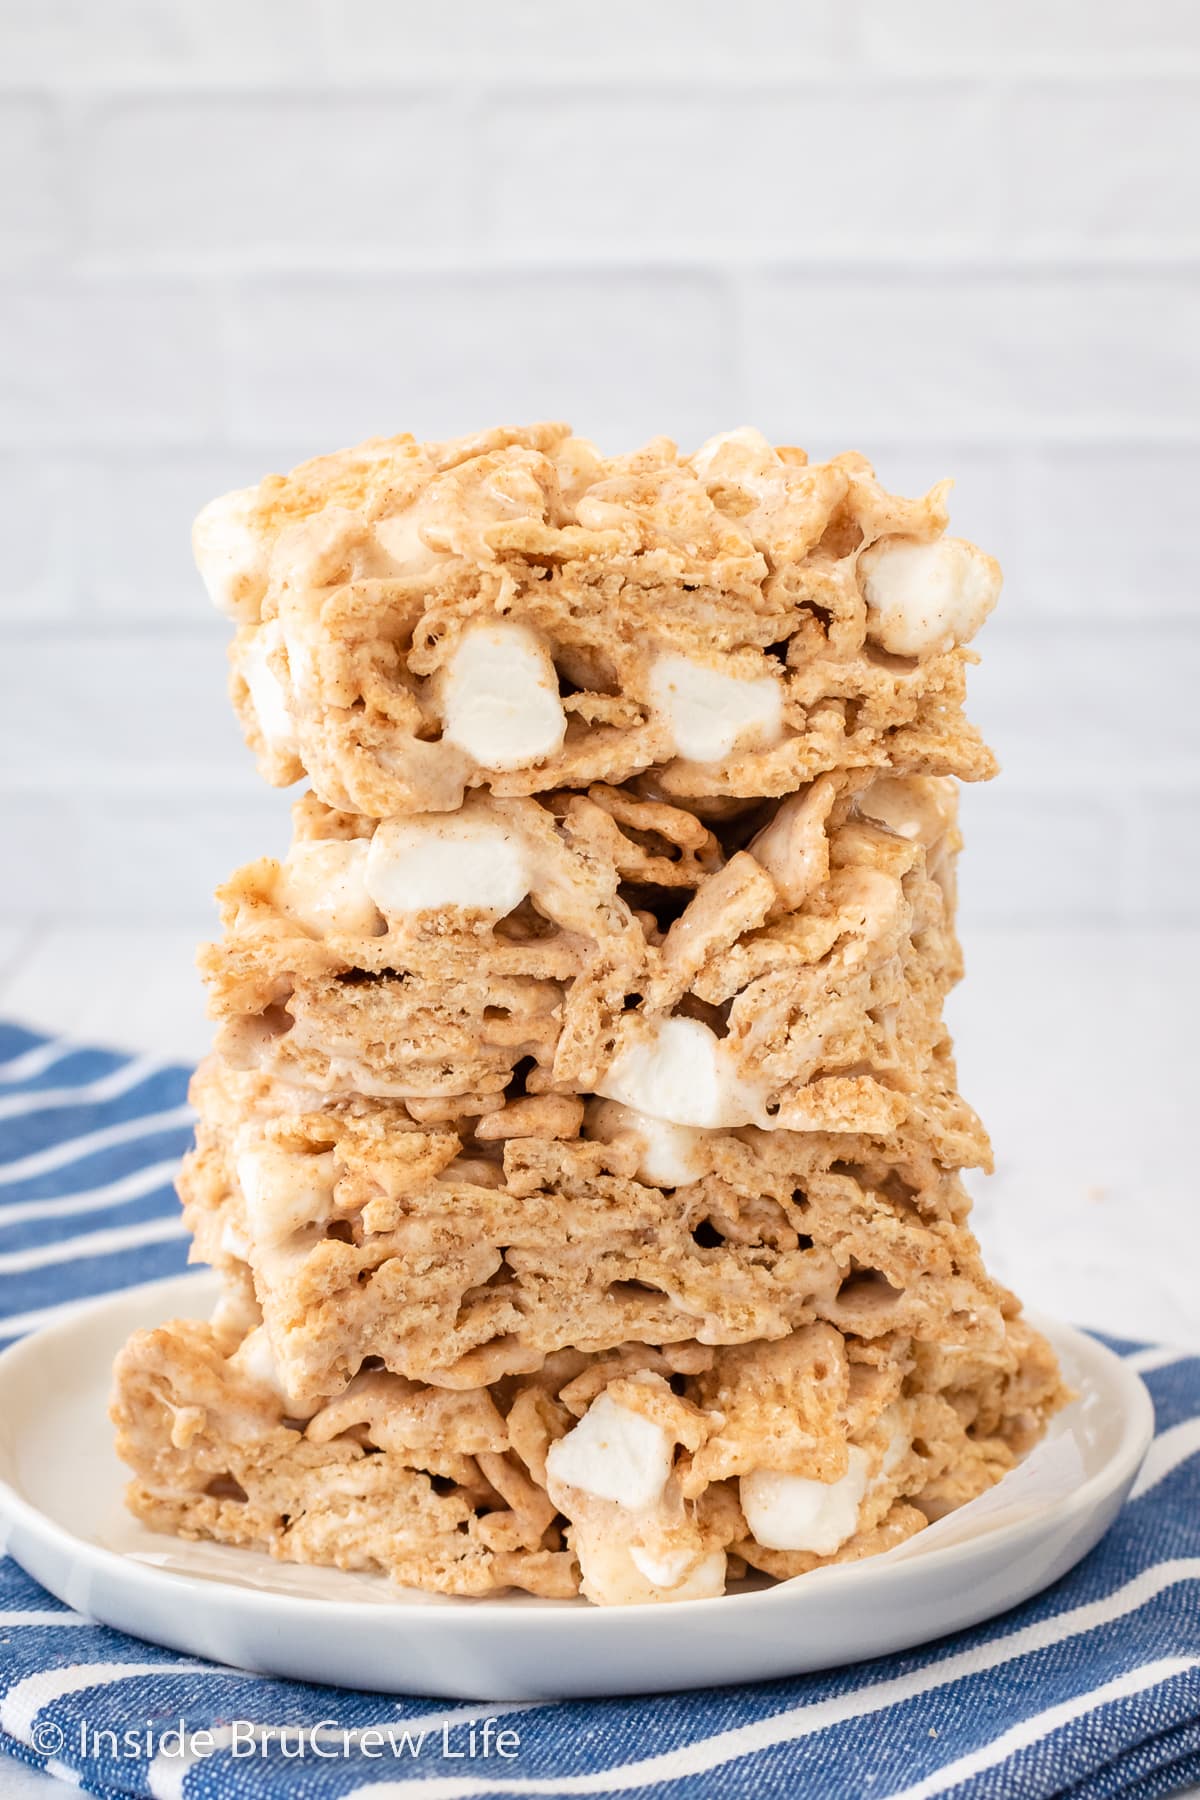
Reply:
x=517, y=612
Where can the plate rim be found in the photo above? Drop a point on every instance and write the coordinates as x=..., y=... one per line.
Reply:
x=16, y=1510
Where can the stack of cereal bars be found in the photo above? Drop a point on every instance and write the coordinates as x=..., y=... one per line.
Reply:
x=580, y=1152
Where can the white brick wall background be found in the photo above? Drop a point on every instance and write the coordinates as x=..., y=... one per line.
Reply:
x=963, y=238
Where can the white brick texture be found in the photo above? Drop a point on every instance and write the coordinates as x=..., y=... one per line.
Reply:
x=1066, y=187
x=1077, y=1047
x=1029, y=35
x=1103, y=534
x=545, y=41
x=1014, y=356
x=32, y=216
x=125, y=859
x=238, y=176
x=123, y=42
x=624, y=356
x=1050, y=859
x=105, y=362
x=1165, y=864
x=129, y=713
x=33, y=504
x=962, y=238
x=836, y=169
x=1082, y=710
x=125, y=523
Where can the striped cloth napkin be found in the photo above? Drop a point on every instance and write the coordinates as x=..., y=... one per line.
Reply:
x=1089, y=1690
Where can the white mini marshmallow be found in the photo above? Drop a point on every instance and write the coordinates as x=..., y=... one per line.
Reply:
x=899, y=1440
x=234, y=1315
x=613, y=1574
x=736, y=452
x=918, y=807
x=446, y=859
x=669, y=1155
x=283, y=1193
x=266, y=690
x=923, y=598
x=500, y=699
x=791, y=1512
x=325, y=886
x=615, y=1454
x=899, y=1445
x=684, y=1074
x=676, y=1572
x=794, y=847
x=666, y=1570
x=255, y=1359
x=706, y=1581
x=399, y=535
x=709, y=713
x=230, y=555
x=234, y=1242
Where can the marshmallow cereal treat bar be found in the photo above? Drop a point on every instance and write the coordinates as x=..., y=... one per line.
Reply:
x=785, y=969
x=581, y=1149
x=638, y=1474
x=461, y=1253
x=516, y=612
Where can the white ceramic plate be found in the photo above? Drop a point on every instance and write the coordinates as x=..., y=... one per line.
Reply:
x=60, y=1499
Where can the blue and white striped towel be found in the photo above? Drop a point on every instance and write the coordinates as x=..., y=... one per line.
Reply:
x=1091, y=1691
